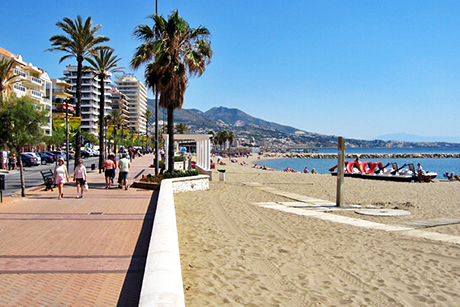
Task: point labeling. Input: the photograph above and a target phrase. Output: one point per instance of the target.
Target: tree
(173, 52)
(7, 78)
(181, 128)
(230, 138)
(103, 64)
(81, 40)
(222, 138)
(20, 123)
(57, 138)
(147, 116)
(117, 121)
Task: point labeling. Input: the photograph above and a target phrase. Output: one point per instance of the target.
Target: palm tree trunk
(21, 174)
(101, 124)
(78, 111)
(171, 138)
(157, 165)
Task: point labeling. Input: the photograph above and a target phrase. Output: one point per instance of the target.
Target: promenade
(76, 252)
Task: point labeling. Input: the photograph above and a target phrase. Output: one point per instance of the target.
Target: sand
(237, 253)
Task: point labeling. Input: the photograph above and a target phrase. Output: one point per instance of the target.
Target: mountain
(416, 138)
(238, 118)
(255, 131)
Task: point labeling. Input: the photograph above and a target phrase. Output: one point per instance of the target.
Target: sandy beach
(237, 252)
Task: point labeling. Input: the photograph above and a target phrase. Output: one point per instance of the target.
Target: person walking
(79, 176)
(60, 176)
(112, 157)
(109, 167)
(124, 164)
(12, 162)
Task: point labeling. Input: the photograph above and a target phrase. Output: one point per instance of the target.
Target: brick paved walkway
(76, 252)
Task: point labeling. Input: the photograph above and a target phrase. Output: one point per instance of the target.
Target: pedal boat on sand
(377, 171)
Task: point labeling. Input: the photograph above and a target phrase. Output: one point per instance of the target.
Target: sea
(322, 166)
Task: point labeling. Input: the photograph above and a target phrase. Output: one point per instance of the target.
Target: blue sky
(357, 69)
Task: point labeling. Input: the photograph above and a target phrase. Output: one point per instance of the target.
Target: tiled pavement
(76, 252)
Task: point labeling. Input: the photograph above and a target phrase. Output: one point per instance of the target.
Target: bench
(48, 179)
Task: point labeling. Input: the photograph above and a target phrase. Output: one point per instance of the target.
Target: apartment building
(33, 82)
(136, 91)
(90, 94)
(120, 102)
(61, 92)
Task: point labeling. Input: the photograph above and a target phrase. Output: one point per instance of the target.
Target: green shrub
(178, 158)
(169, 175)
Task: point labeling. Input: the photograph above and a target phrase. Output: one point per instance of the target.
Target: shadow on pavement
(131, 290)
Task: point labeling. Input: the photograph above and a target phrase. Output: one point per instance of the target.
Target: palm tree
(147, 116)
(117, 118)
(117, 121)
(79, 42)
(7, 78)
(103, 64)
(222, 137)
(173, 52)
(230, 138)
(181, 128)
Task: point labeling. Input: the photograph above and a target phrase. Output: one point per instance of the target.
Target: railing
(19, 73)
(35, 93)
(36, 80)
(19, 88)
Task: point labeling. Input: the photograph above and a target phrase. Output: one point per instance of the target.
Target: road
(33, 178)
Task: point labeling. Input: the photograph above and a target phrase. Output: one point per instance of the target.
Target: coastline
(234, 252)
(372, 155)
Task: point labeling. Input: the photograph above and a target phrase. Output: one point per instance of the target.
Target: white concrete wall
(185, 184)
(162, 284)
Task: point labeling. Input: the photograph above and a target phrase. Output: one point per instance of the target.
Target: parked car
(46, 158)
(36, 155)
(95, 153)
(28, 160)
(85, 153)
(57, 154)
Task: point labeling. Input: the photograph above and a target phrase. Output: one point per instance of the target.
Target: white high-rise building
(136, 91)
(33, 82)
(90, 93)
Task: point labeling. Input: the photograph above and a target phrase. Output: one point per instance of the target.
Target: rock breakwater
(371, 155)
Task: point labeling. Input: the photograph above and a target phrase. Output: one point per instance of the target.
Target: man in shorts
(124, 166)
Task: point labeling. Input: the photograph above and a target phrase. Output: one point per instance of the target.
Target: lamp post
(67, 129)
(66, 100)
(106, 119)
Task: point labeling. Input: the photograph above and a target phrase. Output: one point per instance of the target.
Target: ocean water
(322, 166)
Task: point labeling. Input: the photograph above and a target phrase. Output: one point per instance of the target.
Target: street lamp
(107, 118)
(66, 100)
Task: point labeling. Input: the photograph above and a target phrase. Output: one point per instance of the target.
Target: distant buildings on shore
(127, 94)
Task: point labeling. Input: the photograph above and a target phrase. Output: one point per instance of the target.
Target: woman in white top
(79, 176)
(60, 176)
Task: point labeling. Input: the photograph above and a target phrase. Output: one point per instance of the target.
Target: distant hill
(238, 118)
(417, 138)
(260, 131)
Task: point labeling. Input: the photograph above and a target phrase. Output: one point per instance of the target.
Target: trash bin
(93, 166)
(2, 186)
(221, 174)
(2, 182)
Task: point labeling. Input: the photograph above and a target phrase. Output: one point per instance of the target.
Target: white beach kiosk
(203, 150)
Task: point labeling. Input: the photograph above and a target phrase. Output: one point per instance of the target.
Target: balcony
(19, 73)
(35, 94)
(36, 80)
(19, 88)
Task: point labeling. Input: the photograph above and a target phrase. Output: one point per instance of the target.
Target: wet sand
(237, 253)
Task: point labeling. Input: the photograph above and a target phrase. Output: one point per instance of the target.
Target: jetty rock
(315, 155)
